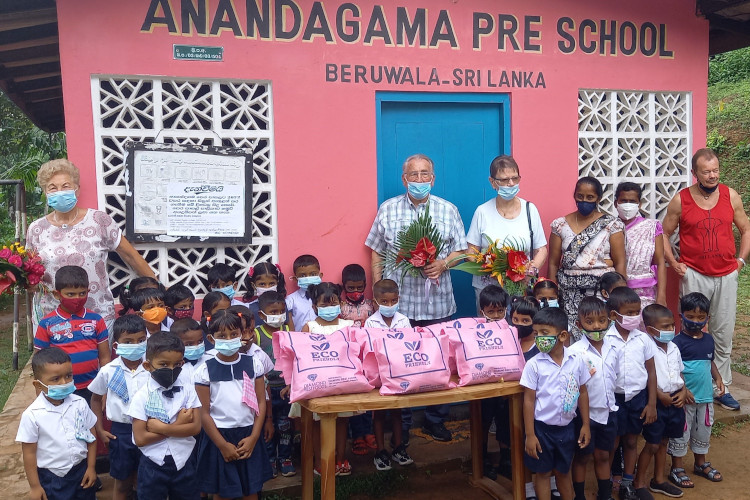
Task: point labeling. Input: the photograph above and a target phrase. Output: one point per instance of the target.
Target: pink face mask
(629, 323)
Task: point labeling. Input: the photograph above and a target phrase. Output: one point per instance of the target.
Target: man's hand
(648, 415)
(37, 493)
(533, 448)
(680, 268)
(740, 265)
(89, 478)
(435, 269)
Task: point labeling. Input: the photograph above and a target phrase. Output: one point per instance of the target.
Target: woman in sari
(584, 245)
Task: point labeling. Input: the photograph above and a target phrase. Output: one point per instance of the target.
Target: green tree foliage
(729, 67)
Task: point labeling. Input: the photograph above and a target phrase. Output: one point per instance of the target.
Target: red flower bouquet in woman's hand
(19, 268)
(500, 260)
(517, 263)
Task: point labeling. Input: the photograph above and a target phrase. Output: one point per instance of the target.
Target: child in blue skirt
(232, 393)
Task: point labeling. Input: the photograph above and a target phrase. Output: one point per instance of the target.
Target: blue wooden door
(461, 133)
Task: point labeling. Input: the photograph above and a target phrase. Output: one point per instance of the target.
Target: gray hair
(415, 157)
(54, 167)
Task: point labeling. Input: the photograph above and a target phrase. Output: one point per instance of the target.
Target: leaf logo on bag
(486, 341)
(484, 335)
(317, 338)
(321, 347)
(312, 377)
(397, 335)
(404, 385)
(323, 353)
(479, 366)
(413, 346)
(456, 324)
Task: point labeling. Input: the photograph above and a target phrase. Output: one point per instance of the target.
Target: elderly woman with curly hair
(71, 235)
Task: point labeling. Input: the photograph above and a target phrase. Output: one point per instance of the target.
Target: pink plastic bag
(414, 363)
(485, 352)
(365, 337)
(320, 365)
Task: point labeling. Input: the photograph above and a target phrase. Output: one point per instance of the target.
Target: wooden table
(328, 407)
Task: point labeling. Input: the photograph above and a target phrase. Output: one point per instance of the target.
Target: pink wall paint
(325, 132)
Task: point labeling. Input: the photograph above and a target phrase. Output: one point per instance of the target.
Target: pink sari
(640, 245)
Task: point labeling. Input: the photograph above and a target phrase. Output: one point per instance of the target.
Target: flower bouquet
(19, 268)
(504, 261)
(417, 246)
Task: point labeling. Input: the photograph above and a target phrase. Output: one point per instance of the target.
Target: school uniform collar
(670, 347)
(64, 315)
(567, 354)
(118, 362)
(612, 332)
(153, 385)
(42, 403)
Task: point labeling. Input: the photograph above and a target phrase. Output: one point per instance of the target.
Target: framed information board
(179, 193)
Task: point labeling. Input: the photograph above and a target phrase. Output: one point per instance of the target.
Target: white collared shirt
(603, 370)
(299, 307)
(632, 377)
(261, 360)
(179, 447)
(554, 384)
(117, 409)
(668, 368)
(189, 369)
(226, 406)
(53, 429)
(377, 321)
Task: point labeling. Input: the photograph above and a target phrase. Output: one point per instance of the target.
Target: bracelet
(742, 260)
(445, 263)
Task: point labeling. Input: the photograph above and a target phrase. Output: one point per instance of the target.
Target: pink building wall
(325, 132)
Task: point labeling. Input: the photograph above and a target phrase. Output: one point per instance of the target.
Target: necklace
(64, 225)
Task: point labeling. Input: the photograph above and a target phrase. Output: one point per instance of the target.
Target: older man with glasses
(394, 215)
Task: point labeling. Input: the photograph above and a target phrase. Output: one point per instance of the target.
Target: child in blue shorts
(553, 376)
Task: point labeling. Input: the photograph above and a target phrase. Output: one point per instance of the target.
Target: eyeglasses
(507, 181)
(419, 176)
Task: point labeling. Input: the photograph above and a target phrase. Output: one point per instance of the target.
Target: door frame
(384, 96)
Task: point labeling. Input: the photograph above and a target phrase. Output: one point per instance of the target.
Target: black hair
(608, 280)
(527, 306)
(136, 300)
(210, 300)
(177, 293)
(161, 342)
(620, 297)
(137, 284)
(262, 269)
(71, 277)
(693, 301)
(503, 162)
(183, 325)
(245, 314)
(654, 312)
(628, 186)
(544, 284)
(384, 286)
(305, 260)
(591, 305)
(269, 298)
(129, 323)
(224, 319)
(552, 316)
(47, 356)
(220, 272)
(353, 272)
(493, 295)
(325, 291)
(594, 183)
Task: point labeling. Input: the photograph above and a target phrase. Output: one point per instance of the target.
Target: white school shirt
(52, 428)
(377, 321)
(552, 383)
(254, 351)
(225, 380)
(189, 367)
(116, 408)
(300, 308)
(179, 447)
(668, 368)
(603, 370)
(633, 354)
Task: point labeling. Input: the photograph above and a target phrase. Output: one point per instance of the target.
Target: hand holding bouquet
(19, 268)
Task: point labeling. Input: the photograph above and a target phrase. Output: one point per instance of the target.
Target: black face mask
(708, 190)
(692, 326)
(165, 377)
(524, 330)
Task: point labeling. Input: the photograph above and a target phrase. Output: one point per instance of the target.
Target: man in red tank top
(704, 213)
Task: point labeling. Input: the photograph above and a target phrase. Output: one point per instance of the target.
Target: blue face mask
(388, 311)
(419, 190)
(585, 207)
(228, 290)
(306, 281)
(692, 326)
(508, 192)
(62, 201)
(131, 352)
(549, 303)
(194, 352)
(665, 336)
(329, 313)
(228, 347)
(60, 392)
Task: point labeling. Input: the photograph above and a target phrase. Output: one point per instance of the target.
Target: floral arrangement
(417, 246)
(19, 268)
(504, 261)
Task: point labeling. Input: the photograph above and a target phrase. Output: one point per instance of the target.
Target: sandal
(710, 475)
(679, 477)
(359, 447)
(371, 443)
(665, 489)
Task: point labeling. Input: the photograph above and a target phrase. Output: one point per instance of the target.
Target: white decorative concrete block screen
(186, 111)
(643, 137)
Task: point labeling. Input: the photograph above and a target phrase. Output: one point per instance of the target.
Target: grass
(8, 376)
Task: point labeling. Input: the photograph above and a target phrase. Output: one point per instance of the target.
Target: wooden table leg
(307, 454)
(517, 444)
(328, 456)
(475, 427)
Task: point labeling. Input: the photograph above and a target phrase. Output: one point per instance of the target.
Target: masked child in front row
(602, 363)
(56, 466)
(671, 395)
(119, 380)
(552, 377)
(165, 419)
(697, 350)
(635, 389)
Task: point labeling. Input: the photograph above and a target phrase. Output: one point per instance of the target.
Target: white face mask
(627, 211)
(276, 320)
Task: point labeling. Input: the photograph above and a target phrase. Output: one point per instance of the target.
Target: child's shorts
(558, 447)
(629, 413)
(68, 486)
(602, 435)
(700, 420)
(669, 423)
(124, 455)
